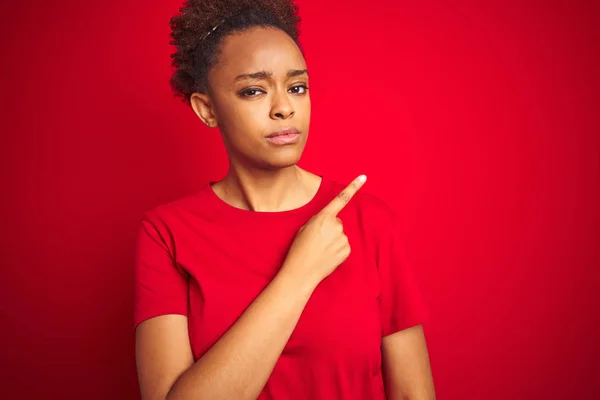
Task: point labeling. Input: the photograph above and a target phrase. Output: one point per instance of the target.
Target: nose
(281, 107)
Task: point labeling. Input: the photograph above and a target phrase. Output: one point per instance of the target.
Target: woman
(273, 283)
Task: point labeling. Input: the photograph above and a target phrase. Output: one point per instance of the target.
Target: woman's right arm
(239, 364)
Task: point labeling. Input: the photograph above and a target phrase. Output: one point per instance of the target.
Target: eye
(299, 89)
(251, 92)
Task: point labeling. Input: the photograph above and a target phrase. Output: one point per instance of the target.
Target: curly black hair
(196, 53)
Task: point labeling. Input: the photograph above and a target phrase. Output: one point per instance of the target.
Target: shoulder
(363, 200)
(371, 209)
(197, 203)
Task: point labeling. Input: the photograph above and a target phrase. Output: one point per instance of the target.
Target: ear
(203, 108)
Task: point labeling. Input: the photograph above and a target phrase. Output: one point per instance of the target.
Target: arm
(406, 368)
(237, 366)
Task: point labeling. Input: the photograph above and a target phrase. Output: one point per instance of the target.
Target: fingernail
(362, 178)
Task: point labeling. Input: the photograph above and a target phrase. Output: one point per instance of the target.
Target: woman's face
(258, 88)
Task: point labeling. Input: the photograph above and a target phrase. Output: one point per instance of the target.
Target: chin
(283, 159)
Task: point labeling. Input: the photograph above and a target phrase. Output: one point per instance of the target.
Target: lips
(284, 137)
(284, 132)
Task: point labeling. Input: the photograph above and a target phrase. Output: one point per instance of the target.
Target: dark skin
(260, 85)
(264, 177)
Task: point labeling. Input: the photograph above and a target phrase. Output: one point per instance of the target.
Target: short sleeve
(160, 286)
(401, 303)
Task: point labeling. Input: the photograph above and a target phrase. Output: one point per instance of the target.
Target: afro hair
(197, 30)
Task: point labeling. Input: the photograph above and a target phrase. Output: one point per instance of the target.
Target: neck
(266, 190)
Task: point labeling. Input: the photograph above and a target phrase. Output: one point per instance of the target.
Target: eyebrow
(268, 75)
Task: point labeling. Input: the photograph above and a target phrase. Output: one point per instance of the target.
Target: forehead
(258, 49)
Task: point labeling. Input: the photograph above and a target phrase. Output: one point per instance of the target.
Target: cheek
(307, 110)
(244, 127)
(247, 116)
(302, 107)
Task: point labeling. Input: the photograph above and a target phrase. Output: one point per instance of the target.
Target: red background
(479, 124)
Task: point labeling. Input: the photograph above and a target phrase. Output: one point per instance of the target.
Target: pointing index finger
(336, 205)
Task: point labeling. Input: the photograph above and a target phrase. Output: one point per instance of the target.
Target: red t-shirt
(203, 258)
